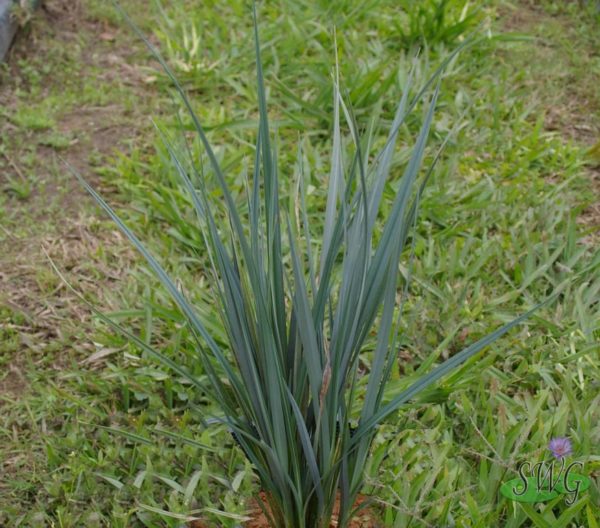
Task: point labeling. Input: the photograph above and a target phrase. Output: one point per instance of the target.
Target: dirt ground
(69, 50)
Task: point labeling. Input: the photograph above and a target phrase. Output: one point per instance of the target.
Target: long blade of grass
(442, 370)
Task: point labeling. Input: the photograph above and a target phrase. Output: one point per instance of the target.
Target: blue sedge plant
(297, 312)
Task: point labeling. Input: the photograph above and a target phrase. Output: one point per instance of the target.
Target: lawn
(95, 432)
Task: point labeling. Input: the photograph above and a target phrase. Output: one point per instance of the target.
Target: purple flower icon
(560, 447)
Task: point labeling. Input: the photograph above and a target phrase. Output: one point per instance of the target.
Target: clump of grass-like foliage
(297, 312)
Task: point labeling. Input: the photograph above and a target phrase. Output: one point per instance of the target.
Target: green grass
(500, 215)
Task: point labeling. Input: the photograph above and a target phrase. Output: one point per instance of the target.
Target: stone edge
(8, 25)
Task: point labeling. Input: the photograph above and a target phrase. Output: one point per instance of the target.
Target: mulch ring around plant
(365, 518)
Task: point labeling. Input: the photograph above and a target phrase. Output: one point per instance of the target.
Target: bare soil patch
(365, 518)
(57, 215)
(574, 111)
